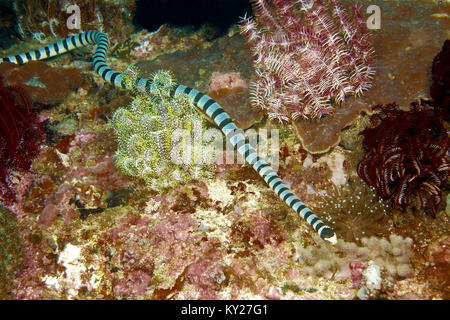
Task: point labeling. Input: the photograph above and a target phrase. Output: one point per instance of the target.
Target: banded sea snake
(202, 101)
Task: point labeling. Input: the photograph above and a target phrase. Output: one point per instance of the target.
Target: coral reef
(226, 81)
(313, 176)
(229, 237)
(149, 42)
(75, 178)
(229, 89)
(82, 188)
(165, 40)
(72, 280)
(11, 252)
(21, 134)
(406, 157)
(41, 20)
(201, 60)
(307, 55)
(156, 254)
(160, 138)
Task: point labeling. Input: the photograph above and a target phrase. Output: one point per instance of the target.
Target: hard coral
(405, 50)
(20, 135)
(319, 136)
(406, 157)
(307, 54)
(43, 84)
(392, 254)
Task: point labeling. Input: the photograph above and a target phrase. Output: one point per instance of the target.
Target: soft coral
(21, 134)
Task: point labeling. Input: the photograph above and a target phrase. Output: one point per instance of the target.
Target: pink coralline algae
(162, 253)
(308, 54)
(260, 231)
(207, 273)
(149, 42)
(356, 267)
(150, 254)
(81, 137)
(228, 81)
(82, 187)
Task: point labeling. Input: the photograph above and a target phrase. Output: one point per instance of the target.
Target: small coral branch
(407, 156)
(308, 55)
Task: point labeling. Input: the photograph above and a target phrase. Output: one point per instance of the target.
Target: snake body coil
(199, 99)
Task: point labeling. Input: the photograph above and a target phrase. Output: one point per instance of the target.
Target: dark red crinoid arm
(20, 135)
(406, 158)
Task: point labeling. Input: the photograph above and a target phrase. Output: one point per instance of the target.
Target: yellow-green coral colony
(152, 126)
(200, 100)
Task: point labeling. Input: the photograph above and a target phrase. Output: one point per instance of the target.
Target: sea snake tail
(200, 100)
